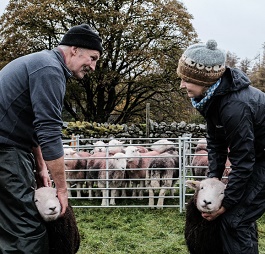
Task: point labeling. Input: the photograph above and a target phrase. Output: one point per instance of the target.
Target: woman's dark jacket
(235, 117)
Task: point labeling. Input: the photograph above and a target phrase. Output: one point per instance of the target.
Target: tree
(231, 59)
(245, 65)
(142, 42)
(257, 75)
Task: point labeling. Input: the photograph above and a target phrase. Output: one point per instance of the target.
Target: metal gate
(85, 191)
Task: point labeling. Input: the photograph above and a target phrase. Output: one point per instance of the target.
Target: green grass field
(137, 231)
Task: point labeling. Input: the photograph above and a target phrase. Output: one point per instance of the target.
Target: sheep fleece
(63, 234)
(202, 236)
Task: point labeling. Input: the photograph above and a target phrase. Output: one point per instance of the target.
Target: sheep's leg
(161, 198)
(162, 193)
(104, 194)
(173, 190)
(141, 191)
(151, 198)
(90, 191)
(123, 191)
(104, 197)
(113, 194)
(78, 191)
(134, 192)
(69, 191)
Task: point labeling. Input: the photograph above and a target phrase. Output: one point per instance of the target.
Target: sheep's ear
(193, 184)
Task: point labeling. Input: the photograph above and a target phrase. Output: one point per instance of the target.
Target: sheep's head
(47, 203)
(68, 151)
(119, 161)
(132, 152)
(116, 146)
(100, 146)
(209, 194)
(162, 145)
(201, 145)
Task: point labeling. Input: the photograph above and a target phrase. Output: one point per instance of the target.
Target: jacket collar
(60, 57)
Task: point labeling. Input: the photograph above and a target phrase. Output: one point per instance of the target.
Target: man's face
(83, 61)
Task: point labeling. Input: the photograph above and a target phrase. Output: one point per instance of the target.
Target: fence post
(147, 120)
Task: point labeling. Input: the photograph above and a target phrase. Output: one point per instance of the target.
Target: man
(32, 90)
(235, 116)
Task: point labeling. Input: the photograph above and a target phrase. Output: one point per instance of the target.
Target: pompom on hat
(202, 64)
(82, 36)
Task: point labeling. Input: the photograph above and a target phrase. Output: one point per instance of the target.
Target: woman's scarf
(208, 94)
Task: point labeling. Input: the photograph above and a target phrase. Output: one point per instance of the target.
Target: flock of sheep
(112, 166)
(109, 170)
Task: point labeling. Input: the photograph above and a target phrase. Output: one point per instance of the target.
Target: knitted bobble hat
(82, 36)
(202, 64)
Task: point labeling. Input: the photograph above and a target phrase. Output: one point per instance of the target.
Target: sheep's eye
(36, 200)
(201, 188)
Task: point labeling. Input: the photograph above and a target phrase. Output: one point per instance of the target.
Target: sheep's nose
(207, 202)
(53, 208)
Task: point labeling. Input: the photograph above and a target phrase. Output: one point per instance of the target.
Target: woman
(235, 116)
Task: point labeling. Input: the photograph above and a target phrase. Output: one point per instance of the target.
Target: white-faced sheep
(62, 232)
(108, 170)
(115, 146)
(202, 236)
(163, 145)
(99, 146)
(75, 164)
(137, 165)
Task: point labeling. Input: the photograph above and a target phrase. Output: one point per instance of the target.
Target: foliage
(137, 230)
(231, 59)
(257, 75)
(142, 42)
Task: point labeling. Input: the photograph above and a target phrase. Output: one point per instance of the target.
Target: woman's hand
(214, 215)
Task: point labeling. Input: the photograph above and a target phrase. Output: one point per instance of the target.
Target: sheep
(200, 159)
(111, 170)
(200, 162)
(63, 233)
(137, 165)
(99, 146)
(163, 145)
(115, 146)
(75, 163)
(202, 236)
(160, 175)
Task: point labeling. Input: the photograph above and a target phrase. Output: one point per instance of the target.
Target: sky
(237, 26)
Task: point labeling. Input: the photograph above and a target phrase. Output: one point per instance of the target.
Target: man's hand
(63, 199)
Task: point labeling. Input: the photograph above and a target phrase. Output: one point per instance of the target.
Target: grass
(136, 230)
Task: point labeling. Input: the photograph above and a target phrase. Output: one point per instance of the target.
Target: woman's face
(193, 90)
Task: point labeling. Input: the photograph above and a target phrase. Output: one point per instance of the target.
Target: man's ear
(74, 50)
